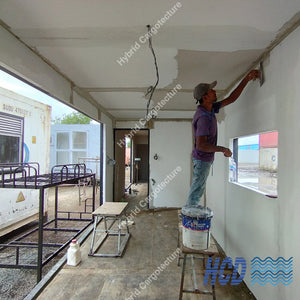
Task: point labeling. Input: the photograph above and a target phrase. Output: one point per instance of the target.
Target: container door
(170, 163)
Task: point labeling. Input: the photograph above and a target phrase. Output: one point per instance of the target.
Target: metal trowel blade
(262, 76)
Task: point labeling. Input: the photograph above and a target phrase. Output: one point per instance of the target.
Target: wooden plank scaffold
(193, 254)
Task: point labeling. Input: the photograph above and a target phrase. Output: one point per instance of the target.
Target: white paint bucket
(196, 221)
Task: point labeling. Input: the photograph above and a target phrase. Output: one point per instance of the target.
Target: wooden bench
(110, 211)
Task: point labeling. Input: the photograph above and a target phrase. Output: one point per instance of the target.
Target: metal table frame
(19, 175)
(110, 211)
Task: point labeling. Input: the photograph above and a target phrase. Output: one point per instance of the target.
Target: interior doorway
(131, 153)
(128, 161)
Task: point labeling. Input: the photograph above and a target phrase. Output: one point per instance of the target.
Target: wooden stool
(211, 251)
(113, 211)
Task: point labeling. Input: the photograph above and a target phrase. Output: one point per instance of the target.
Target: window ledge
(254, 189)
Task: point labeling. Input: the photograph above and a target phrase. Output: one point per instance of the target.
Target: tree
(73, 118)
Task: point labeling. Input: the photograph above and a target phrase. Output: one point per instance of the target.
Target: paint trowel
(262, 75)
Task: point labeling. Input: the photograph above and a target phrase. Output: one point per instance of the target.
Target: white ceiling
(203, 41)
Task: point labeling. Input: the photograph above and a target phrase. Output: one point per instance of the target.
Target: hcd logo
(263, 271)
(223, 280)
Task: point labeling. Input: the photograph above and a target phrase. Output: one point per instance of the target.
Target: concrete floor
(153, 241)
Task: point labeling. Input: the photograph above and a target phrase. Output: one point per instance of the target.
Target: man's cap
(202, 88)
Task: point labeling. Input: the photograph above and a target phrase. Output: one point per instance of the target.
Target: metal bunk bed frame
(26, 176)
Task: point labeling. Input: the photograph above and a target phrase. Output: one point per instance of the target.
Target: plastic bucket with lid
(196, 221)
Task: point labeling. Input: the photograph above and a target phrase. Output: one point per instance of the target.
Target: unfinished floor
(153, 240)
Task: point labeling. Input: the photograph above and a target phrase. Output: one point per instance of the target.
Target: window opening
(254, 163)
(11, 138)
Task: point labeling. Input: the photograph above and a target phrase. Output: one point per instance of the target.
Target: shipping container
(24, 137)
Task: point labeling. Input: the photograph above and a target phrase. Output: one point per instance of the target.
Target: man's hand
(254, 74)
(227, 152)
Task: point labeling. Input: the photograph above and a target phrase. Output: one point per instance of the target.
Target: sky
(249, 140)
(17, 86)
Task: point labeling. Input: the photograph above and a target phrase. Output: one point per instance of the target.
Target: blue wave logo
(272, 271)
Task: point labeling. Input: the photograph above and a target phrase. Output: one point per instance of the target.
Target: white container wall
(246, 223)
(20, 206)
(76, 143)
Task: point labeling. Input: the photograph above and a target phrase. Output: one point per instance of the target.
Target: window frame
(233, 169)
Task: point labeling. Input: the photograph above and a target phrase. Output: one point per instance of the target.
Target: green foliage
(128, 143)
(73, 118)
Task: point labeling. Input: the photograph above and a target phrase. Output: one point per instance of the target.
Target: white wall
(247, 223)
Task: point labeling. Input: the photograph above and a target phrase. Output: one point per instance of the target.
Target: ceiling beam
(157, 119)
(134, 89)
(144, 109)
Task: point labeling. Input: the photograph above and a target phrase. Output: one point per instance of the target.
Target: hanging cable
(151, 89)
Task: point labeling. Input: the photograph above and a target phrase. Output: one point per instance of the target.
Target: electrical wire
(151, 89)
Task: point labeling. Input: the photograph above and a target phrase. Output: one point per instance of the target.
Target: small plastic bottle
(73, 254)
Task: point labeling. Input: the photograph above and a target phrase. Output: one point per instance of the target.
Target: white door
(170, 163)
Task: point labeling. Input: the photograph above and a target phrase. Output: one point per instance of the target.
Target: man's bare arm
(254, 74)
(203, 145)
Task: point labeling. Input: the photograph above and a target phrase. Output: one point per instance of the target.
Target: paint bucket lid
(197, 211)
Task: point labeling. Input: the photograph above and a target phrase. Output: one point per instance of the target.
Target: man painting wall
(206, 132)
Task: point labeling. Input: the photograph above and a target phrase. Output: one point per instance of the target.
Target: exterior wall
(247, 223)
(268, 140)
(93, 142)
(249, 156)
(268, 159)
(268, 151)
(20, 206)
(127, 156)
